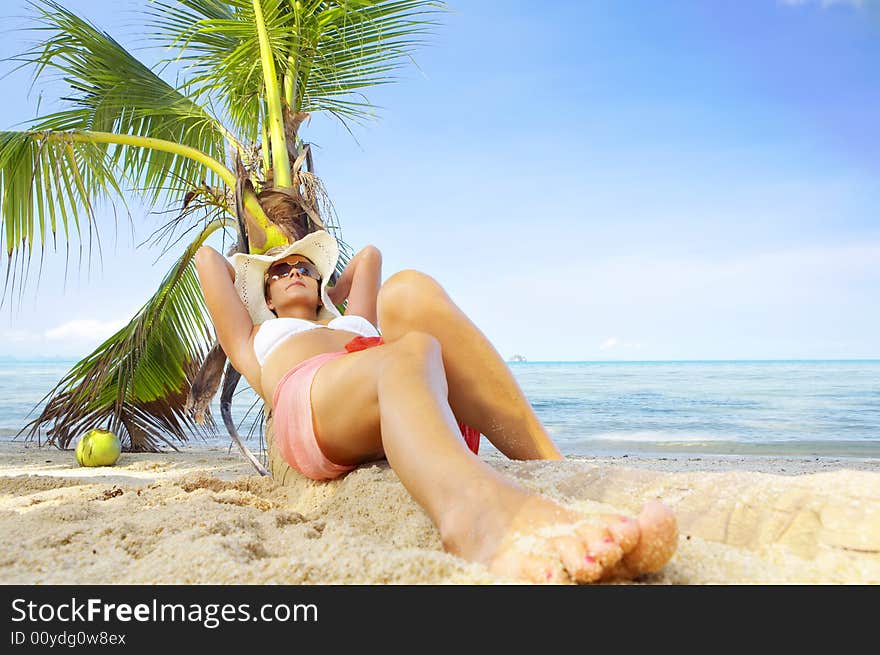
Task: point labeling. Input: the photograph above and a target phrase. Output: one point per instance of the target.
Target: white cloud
(795, 301)
(614, 342)
(72, 338)
(84, 329)
(858, 4)
(18, 336)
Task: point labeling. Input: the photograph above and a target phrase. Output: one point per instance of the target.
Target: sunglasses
(284, 269)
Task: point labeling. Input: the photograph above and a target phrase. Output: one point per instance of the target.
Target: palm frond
(49, 183)
(220, 51)
(213, 203)
(110, 90)
(328, 50)
(361, 45)
(136, 383)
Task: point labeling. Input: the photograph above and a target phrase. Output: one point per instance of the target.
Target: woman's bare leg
(482, 391)
(396, 401)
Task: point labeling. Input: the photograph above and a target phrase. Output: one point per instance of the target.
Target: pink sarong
(293, 426)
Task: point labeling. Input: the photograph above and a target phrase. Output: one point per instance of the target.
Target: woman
(341, 396)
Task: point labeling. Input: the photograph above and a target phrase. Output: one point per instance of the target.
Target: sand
(202, 516)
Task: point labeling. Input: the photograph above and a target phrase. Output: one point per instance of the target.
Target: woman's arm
(360, 282)
(231, 320)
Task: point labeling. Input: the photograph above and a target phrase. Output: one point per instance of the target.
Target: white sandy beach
(202, 516)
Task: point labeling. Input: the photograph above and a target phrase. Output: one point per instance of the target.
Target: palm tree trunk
(280, 160)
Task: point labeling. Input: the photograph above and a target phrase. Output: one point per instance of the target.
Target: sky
(588, 180)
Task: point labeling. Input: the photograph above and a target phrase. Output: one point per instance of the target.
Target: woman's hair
(284, 211)
(277, 250)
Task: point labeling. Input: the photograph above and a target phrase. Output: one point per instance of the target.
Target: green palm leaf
(112, 91)
(49, 183)
(136, 382)
(220, 51)
(360, 48)
(45, 176)
(327, 50)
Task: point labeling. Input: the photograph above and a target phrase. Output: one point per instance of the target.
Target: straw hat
(250, 273)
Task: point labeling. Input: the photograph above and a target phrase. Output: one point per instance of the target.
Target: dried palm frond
(205, 384)
(136, 383)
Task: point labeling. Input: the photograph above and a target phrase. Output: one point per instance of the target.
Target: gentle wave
(809, 407)
(655, 437)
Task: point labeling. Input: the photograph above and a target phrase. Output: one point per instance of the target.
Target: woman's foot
(528, 537)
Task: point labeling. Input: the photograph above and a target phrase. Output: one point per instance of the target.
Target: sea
(821, 408)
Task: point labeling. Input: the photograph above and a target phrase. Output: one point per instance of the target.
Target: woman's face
(295, 283)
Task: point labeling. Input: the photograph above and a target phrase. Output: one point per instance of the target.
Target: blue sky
(588, 180)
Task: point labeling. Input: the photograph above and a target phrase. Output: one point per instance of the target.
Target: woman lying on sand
(341, 396)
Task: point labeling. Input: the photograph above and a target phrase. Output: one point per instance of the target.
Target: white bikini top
(274, 331)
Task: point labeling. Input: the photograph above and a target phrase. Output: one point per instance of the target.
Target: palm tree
(223, 145)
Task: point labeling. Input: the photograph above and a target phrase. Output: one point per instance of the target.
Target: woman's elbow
(208, 262)
(211, 266)
(371, 252)
(204, 255)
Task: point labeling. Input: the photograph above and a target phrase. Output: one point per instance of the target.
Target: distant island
(518, 358)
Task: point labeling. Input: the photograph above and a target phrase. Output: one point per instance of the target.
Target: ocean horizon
(58, 358)
(792, 407)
